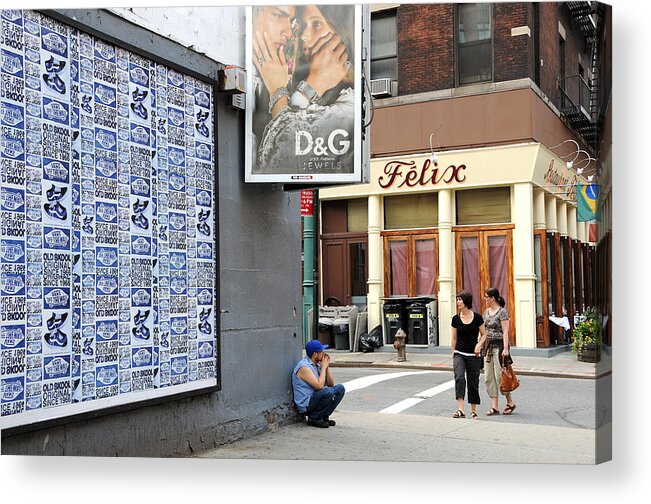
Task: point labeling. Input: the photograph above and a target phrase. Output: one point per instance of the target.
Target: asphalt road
(405, 415)
(556, 402)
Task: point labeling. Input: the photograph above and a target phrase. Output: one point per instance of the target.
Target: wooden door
(541, 291)
(345, 271)
(484, 260)
(333, 278)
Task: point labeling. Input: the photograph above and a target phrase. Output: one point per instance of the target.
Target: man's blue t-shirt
(302, 390)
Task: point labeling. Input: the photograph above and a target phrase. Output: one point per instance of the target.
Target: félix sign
(409, 174)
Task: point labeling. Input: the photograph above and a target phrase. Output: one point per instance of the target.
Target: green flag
(587, 199)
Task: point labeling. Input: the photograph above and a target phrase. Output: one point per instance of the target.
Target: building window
(411, 263)
(474, 43)
(357, 215)
(483, 206)
(413, 211)
(384, 46)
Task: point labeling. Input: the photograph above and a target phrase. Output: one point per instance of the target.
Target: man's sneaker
(331, 423)
(318, 423)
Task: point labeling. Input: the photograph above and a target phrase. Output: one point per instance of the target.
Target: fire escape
(580, 99)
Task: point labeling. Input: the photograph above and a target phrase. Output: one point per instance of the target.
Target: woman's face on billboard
(315, 26)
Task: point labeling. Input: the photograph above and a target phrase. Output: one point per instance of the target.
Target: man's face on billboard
(276, 21)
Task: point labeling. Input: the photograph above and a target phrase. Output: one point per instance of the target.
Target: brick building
(486, 120)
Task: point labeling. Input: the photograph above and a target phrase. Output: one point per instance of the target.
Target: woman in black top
(468, 335)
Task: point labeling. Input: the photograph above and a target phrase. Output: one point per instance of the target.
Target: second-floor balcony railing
(574, 95)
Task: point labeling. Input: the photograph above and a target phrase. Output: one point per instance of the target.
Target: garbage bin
(393, 320)
(325, 330)
(340, 330)
(417, 323)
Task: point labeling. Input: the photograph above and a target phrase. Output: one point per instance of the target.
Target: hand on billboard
(329, 64)
(270, 62)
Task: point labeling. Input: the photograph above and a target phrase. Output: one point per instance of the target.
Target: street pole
(315, 306)
(307, 214)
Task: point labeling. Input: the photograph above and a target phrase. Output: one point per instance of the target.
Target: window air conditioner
(381, 88)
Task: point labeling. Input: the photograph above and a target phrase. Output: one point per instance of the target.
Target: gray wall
(260, 341)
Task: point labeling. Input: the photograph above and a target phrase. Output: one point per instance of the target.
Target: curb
(522, 372)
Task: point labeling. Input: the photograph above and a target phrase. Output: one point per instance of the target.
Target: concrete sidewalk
(562, 365)
(412, 438)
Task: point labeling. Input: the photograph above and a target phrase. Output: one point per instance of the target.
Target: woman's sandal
(509, 409)
(492, 412)
(459, 414)
(473, 415)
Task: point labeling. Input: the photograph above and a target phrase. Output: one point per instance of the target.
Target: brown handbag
(508, 381)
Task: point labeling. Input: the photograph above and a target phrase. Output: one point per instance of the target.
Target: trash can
(393, 320)
(341, 332)
(417, 323)
(325, 330)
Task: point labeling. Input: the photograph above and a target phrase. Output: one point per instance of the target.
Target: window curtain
(498, 267)
(399, 279)
(425, 267)
(470, 262)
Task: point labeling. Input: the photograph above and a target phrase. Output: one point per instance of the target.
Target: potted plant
(587, 338)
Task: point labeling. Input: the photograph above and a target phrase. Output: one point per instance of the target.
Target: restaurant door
(345, 271)
(484, 259)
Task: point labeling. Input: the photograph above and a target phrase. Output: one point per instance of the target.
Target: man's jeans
(324, 402)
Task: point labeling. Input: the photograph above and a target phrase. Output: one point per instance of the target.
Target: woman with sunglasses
(496, 319)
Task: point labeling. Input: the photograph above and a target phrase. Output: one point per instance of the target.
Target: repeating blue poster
(107, 239)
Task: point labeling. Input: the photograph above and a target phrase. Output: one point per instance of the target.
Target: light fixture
(564, 142)
(584, 164)
(572, 162)
(433, 157)
(587, 160)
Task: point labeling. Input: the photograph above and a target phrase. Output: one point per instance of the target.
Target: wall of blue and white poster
(107, 239)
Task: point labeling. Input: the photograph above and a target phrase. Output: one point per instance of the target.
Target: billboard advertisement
(107, 235)
(304, 92)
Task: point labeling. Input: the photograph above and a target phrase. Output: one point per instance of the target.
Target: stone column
(539, 209)
(446, 294)
(561, 212)
(572, 228)
(523, 265)
(550, 214)
(375, 258)
(581, 234)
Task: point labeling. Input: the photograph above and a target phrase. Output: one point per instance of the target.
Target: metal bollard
(400, 345)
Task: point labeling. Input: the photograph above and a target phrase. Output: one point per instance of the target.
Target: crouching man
(315, 392)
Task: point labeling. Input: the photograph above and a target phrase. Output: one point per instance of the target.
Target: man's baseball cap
(314, 346)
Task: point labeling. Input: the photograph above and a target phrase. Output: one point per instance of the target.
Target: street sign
(307, 203)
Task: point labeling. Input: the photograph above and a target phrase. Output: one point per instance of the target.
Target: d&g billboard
(303, 94)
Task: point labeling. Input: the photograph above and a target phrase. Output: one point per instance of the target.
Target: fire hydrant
(400, 345)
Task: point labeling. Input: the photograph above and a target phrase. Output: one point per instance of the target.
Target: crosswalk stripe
(425, 394)
(402, 405)
(367, 381)
(418, 398)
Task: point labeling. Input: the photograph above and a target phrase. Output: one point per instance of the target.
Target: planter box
(591, 353)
